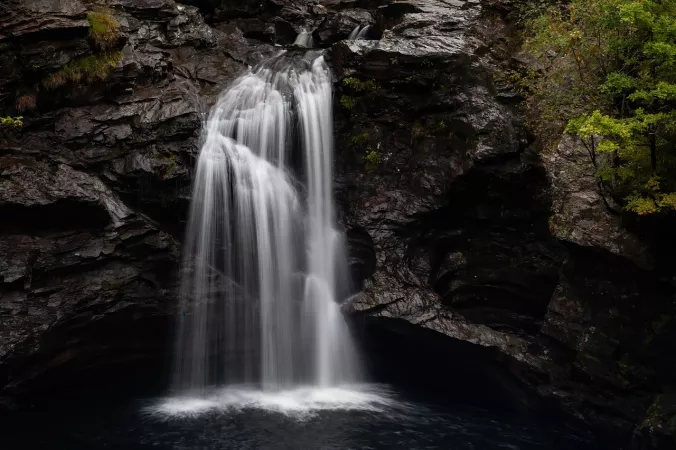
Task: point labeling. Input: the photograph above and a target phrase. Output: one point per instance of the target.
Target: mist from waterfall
(264, 265)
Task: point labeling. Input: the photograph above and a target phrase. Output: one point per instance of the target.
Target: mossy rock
(103, 28)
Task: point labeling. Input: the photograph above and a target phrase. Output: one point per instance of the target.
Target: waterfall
(363, 32)
(304, 39)
(264, 265)
(359, 32)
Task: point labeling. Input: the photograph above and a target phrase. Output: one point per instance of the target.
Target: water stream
(263, 258)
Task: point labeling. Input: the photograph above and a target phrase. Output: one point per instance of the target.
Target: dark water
(374, 417)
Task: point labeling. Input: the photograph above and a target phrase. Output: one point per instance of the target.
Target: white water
(263, 261)
(304, 39)
(359, 32)
(299, 402)
(363, 32)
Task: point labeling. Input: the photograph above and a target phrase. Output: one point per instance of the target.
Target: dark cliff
(456, 224)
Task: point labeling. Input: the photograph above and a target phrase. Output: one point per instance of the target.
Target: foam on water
(299, 402)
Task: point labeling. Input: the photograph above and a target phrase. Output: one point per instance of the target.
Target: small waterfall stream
(359, 32)
(263, 260)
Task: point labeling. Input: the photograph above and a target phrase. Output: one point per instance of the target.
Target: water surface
(346, 417)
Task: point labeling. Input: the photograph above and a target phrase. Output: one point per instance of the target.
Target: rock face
(455, 223)
(480, 239)
(582, 215)
(94, 187)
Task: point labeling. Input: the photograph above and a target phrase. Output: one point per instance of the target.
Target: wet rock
(25, 17)
(75, 257)
(338, 25)
(657, 431)
(582, 214)
(435, 166)
(80, 179)
(362, 257)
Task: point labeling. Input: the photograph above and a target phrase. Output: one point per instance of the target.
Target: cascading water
(263, 261)
(363, 33)
(359, 32)
(304, 39)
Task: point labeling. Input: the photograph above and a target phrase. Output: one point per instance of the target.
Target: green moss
(360, 140)
(166, 170)
(373, 160)
(84, 70)
(13, 122)
(348, 102)
(360, 86)
(103, 28)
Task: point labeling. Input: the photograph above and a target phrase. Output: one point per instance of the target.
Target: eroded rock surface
(94, 187)
(468, 223)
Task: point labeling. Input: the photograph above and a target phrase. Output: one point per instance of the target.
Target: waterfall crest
(263, 263)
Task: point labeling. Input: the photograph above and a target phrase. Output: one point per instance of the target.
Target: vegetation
(26, 102)
(348, 102)
(85, 69)
(13, 122)
(103, 29)
(360, 86)
(373, 159)
(104, 32)
(607, 74)
(360, 140)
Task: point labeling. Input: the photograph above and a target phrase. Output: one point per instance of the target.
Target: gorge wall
(456, 223)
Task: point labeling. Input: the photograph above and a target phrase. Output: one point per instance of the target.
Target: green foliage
(85, 69)
(348, 102)
(373, 159)
(607, 74)
(103, 28)
(360, 86)
(360, 140)
(13, 122)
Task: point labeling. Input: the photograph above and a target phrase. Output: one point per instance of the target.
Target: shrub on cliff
(85, 69)
(103, 29)
(607, 73)
(13, 122)
(26, 102)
